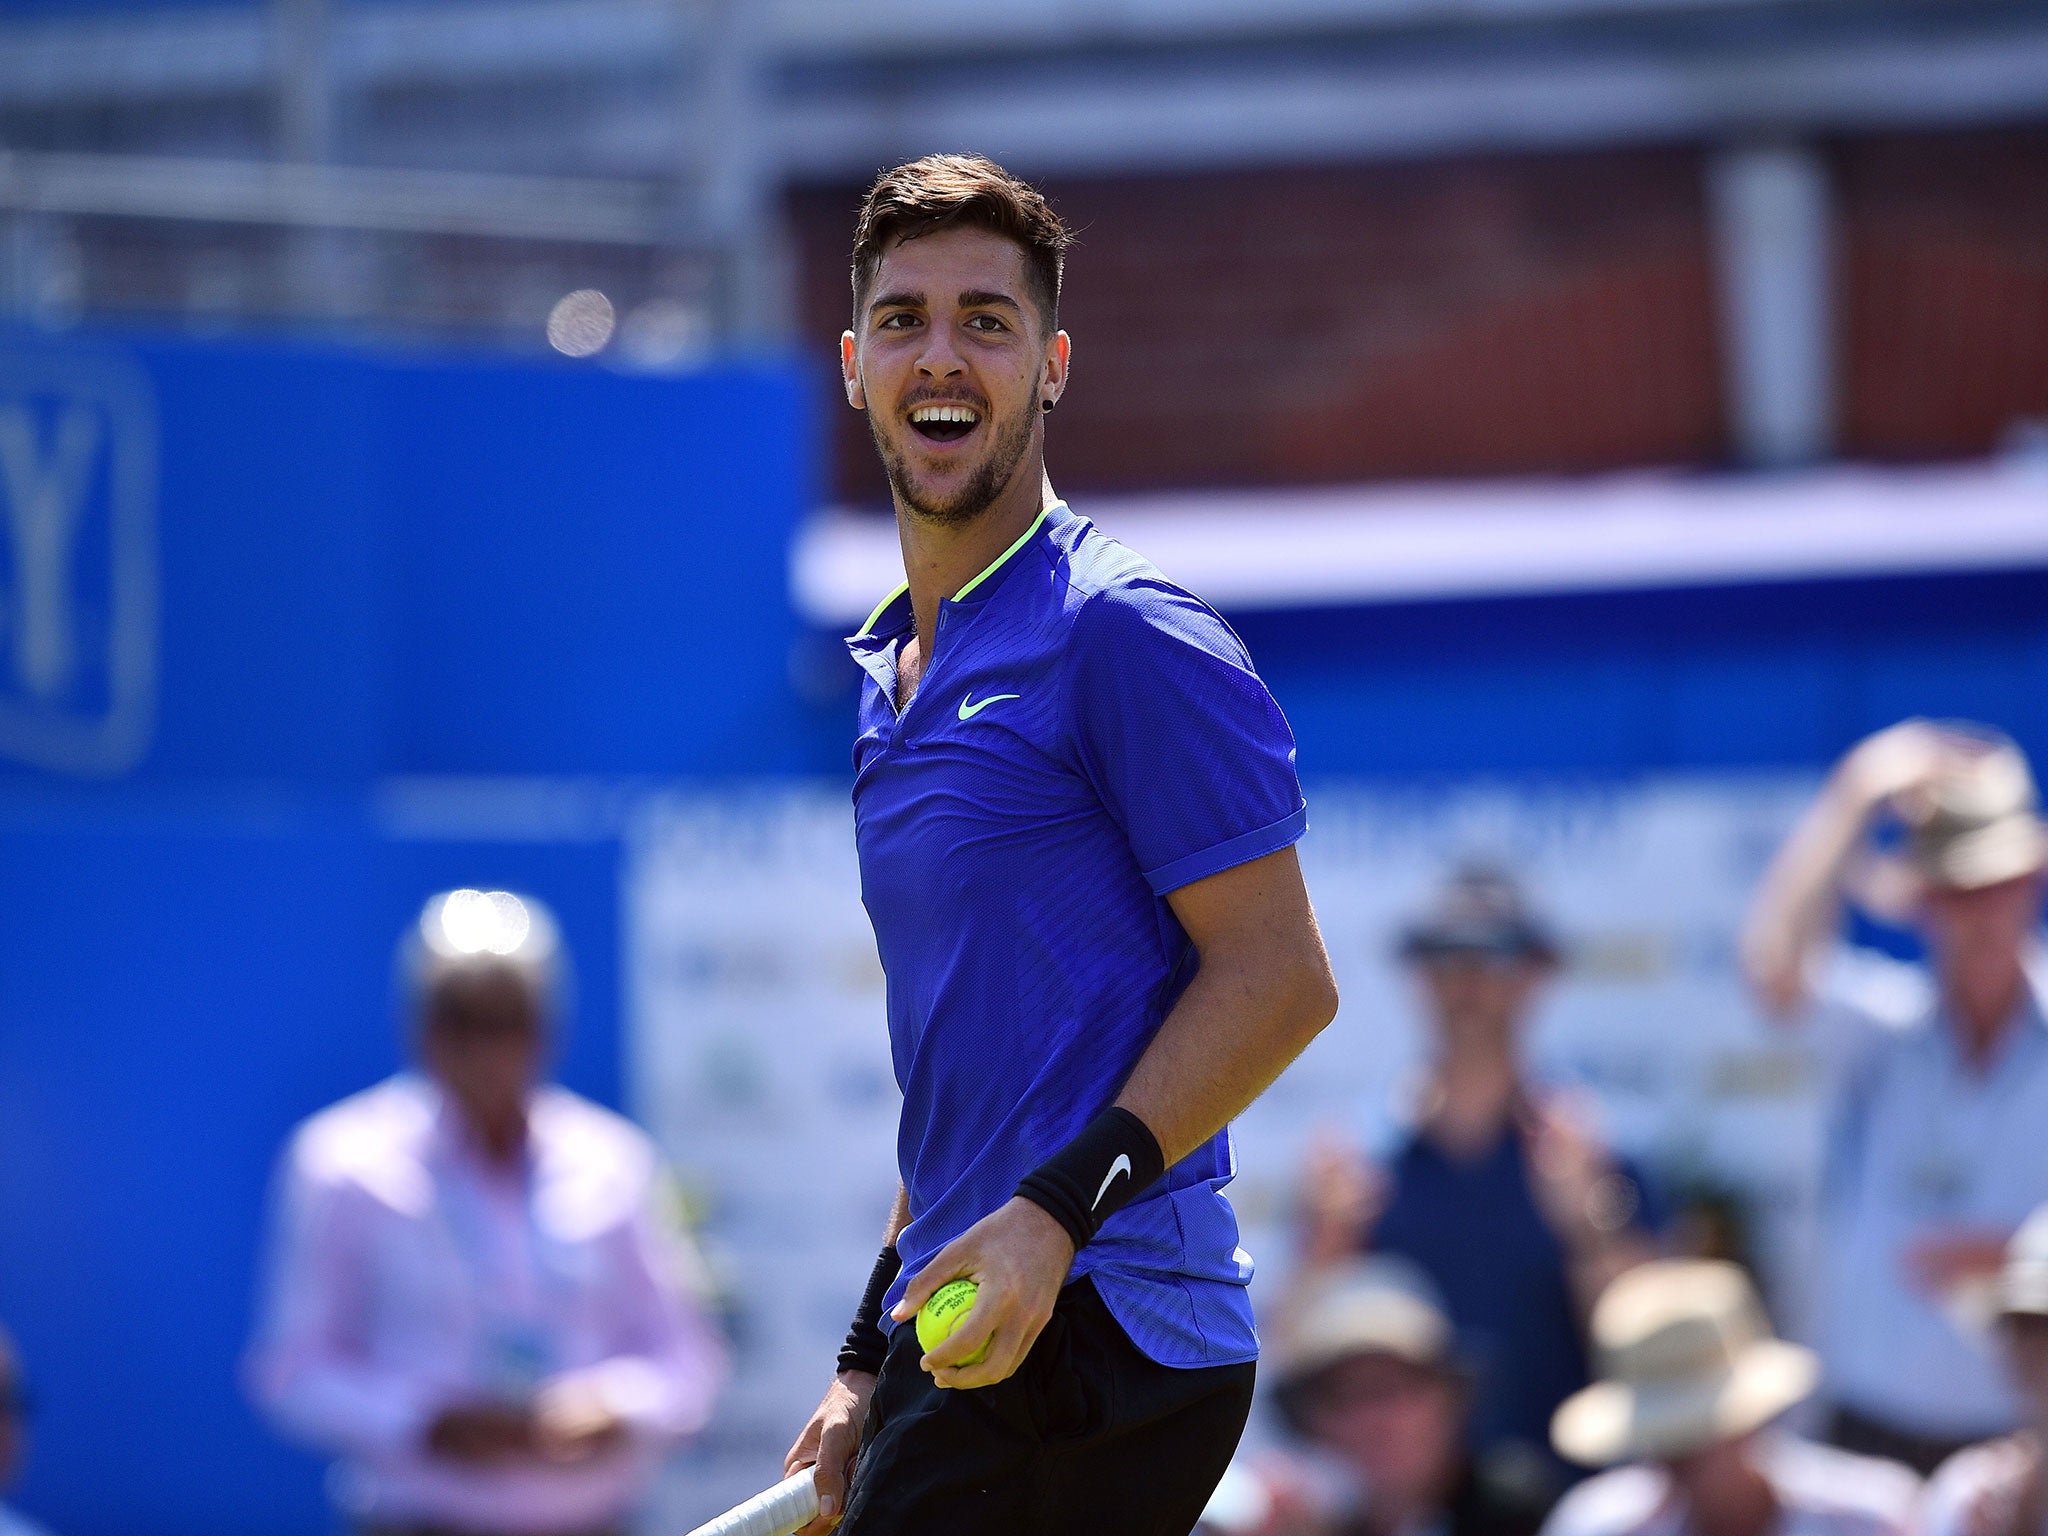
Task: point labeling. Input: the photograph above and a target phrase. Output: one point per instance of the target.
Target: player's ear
(849, 372)
(1059, 353)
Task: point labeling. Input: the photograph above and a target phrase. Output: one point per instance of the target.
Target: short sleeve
(1179, 736)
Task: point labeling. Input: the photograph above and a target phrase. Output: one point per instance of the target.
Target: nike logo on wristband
(1121, 1165)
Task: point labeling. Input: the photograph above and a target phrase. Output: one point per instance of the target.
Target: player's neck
(941, 558)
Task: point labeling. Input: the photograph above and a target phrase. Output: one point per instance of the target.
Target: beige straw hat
(1686, 1360)
(1977, 821)
(1377, 1305)
(2023, 1282)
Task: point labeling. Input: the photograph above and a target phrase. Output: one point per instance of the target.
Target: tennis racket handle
(789, 1505)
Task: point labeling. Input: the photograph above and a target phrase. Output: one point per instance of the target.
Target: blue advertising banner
(319, 567)
(248, 595)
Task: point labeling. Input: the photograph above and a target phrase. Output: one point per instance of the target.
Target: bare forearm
(1234, 1031)
(1798, 904)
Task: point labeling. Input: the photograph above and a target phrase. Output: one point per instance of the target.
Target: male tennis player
(1076, 807)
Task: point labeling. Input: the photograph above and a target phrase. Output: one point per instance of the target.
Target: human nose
(939, 359)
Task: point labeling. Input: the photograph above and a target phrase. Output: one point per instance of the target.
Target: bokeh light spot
(581, 323)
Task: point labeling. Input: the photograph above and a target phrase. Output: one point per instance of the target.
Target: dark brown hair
(951, 191)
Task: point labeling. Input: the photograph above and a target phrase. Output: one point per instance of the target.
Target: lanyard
(519, 1343)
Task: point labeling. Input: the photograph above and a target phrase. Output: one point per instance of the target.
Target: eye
(987, 323)
(901, 320)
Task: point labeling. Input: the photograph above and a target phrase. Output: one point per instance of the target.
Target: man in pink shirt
(472, 1302)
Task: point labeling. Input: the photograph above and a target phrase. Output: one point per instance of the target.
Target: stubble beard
(979, 491)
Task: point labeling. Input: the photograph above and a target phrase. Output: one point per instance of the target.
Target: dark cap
(1480, 911)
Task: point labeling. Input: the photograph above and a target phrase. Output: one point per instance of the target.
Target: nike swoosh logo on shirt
(1121, 1165)
(969, 711)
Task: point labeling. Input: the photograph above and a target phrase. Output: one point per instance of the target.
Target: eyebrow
(973, 298)
(983, 298)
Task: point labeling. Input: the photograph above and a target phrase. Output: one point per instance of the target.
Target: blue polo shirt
(1086, 739)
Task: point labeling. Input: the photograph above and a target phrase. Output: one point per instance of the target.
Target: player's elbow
(1311, 997)
(1280, 982)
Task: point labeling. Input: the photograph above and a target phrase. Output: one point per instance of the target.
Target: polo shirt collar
(892, 614)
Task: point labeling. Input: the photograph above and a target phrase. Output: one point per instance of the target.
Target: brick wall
(1944, 259)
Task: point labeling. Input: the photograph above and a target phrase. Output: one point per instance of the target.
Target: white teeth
(960, 413)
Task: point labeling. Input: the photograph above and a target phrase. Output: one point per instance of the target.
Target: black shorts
(1088, 1436)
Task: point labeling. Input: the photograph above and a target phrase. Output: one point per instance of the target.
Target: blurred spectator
(13, 1434)
(2001, 1488)
(1368, 1381)
(1498, 1190)
(474, 1303)
(1690, 1377)
(1936, 1148)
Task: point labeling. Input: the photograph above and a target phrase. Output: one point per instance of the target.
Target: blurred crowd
(480, 1305)
(1497, 1304)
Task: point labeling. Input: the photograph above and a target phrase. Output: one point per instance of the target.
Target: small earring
(1046, 406)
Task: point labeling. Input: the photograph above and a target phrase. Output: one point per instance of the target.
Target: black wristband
(1115, 1159)
(866, 1344)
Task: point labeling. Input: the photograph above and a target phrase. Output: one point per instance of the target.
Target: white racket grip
(788, 1506)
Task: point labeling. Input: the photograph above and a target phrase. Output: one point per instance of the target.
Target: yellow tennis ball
(941, 1314)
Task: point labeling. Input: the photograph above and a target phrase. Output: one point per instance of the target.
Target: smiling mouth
(944, 423)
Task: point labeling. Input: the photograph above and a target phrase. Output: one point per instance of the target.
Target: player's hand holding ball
(937, 1318)
(1017, 1259)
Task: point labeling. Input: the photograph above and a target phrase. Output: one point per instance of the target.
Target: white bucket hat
(1686, 1360)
